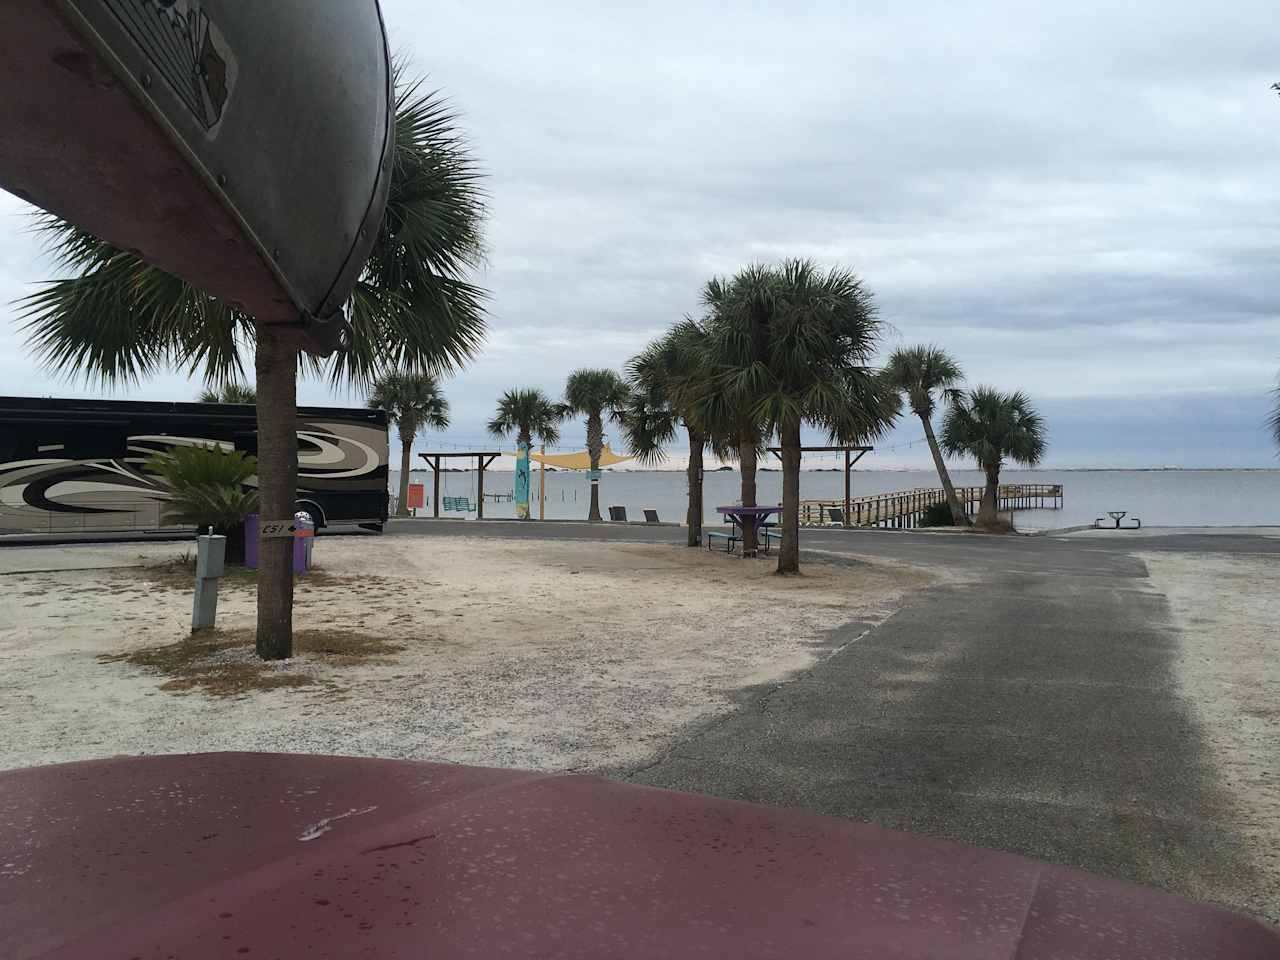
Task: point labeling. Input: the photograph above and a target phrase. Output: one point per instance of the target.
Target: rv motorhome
(79, 466)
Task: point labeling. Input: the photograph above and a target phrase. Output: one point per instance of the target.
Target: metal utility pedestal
(211, 556)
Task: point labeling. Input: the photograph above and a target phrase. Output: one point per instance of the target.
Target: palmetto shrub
(207, 488)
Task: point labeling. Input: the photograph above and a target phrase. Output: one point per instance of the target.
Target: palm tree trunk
(958, 515)
(747, 466)
(789, 551)
(277, 368)
(693, 519)
(595, 440)
(988, 515)
(406, 453)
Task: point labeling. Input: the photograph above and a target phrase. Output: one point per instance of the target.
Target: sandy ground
(1228, 609)
(545, 655)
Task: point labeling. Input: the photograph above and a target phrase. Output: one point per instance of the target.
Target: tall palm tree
(230, 392)
(595, 394)
(414, 401)
(527, 414)
(665, 379)
(795, 344)
(120, 319)
(737, 319)
(993, 427)
(924, 373)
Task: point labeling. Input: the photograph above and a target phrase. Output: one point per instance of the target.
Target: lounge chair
(650, 516)
(618, 514)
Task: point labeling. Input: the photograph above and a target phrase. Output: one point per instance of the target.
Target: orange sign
(416, 495)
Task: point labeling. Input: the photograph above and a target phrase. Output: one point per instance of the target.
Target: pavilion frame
(433, 461)
(849, 461)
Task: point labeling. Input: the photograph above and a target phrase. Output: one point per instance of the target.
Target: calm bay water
(1174, 498)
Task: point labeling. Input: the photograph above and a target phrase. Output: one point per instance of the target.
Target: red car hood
(266, 855)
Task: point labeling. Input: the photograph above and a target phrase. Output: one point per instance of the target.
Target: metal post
(480, 488)
(542, 485)
(435, 496)
(848, 466)
(211, 555)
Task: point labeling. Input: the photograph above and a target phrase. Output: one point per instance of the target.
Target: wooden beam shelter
(849, 461)
(433, 461)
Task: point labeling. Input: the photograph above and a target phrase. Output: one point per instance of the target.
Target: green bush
(936, 515)
(207, 489)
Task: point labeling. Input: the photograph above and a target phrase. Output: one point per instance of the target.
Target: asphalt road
(1032, 709)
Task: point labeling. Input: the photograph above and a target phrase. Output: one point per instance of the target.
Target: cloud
(1078, 200)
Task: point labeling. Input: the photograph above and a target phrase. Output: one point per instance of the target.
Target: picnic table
(742, 517)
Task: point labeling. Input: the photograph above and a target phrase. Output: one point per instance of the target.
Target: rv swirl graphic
(185, 48)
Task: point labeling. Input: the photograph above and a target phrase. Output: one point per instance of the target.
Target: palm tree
(924, 373)
(229, 393)
(208, 487)
(993, 427)
(1274, 421)
(794, 345)
(665, 379)
(595, 394)
(119, 319)
(736, 326)
(414, 401)
(527, 414)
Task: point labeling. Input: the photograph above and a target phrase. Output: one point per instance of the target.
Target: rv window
(90, 443)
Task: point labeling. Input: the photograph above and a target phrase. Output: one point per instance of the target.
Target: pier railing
(904, 508)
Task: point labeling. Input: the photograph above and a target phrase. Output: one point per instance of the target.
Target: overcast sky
(1079, 199)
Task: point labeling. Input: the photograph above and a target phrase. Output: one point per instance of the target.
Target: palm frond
(413, 400)
(206, 485)
(992, 427)
(1273, 422)
(229, 393)
(793, 343)
(596, 392)
(528, 414)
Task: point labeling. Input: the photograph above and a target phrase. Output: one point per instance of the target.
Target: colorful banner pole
(522, 482)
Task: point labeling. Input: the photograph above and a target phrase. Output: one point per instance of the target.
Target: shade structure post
(435, 497)
(542, 485)
(848, 467)
(480, 487)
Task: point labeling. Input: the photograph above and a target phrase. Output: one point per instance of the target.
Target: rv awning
(578, 461)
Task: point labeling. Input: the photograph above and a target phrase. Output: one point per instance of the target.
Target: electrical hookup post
(522, 482)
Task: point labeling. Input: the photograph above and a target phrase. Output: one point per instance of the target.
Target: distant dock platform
(904, 508)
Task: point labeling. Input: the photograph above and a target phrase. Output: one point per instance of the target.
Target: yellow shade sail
(578, 461)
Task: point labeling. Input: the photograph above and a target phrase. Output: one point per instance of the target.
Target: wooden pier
(904, 508)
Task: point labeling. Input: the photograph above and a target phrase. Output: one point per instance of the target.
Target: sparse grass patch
(342, 648)
(222, 663)
(179, 574)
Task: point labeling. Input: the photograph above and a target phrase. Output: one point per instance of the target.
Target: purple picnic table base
(268, 855)
(758, 515)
